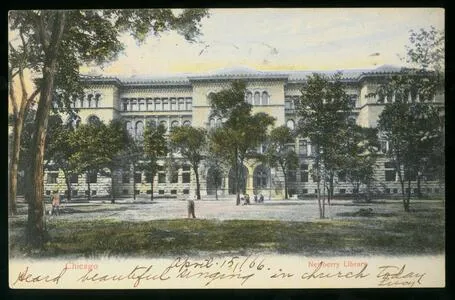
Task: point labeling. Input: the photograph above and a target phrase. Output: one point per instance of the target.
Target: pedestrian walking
(261, 198)
(191, 209)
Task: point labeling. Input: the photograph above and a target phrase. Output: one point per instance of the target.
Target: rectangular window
(173, 192)
(186, 191)
(342, 176)
(148, 177)
(436, 190)
(133, 105)
(303, 148)
(137, 177)
(395, 191)
(125, 192)
(188, 105)
(292, 177)
(342, 191)
(137, 192)
(87, 192)
(161, 192)
(181, 105)
(389, 165)
(141, 105)
(74, 178)
(416, 191)
(74, 193)
(149, 192)
(93, 177)
(173, 105)
(304, 191)
(304, 176)
(150, 105)
(126, 177)
(287, 104)
(389, 175)
(315, 191)
(387, 191)
(157, 105)
(161, 178)
(52, 178)
(165, 105)
(125, 106)
(186, 178)
(175, 178)
(93, 193)
(48, 193)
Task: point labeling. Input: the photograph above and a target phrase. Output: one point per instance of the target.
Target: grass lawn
(396, 233)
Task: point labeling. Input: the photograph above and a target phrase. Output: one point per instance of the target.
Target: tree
(241, 131)
(155, 147)
(323, 110)
(191, 143)
(412, 131)
(279, 153)
(359, 153)
(63, 40)
(59, 149)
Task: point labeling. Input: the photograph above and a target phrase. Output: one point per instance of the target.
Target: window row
(157, 104)
(161, 177)
(89, 101)
(257, 98)
(137, 128)
(404, 96)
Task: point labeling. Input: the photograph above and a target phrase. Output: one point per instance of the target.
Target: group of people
(245, 198)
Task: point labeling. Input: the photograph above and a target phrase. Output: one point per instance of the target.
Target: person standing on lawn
(55, 204)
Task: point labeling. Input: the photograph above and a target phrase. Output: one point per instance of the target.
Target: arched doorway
(214, 180)
(243, 180)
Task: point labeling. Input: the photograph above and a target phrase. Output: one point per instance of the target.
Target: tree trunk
(88, 185)
(408, 196)
(35, 224)
(324, 184)
(134, 182)
(286, 196)
(68, 185)
(419, 190)
(14, 162)
(236, 170)
(198, 186)
(151, 186)
(330, 191)
(112, 186)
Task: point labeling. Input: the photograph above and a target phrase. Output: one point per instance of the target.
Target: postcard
(226, 148)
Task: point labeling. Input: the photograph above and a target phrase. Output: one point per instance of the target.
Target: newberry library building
(184, 100)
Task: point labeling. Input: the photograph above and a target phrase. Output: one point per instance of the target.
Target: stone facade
(183, 100)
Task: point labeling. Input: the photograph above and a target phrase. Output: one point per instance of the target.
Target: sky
(279, 39)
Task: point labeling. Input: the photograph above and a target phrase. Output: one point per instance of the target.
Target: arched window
(93, 120)
(218, 122)
(73, 121)
(139, 129)
(129, 128)
(249, 98)
(82, 102)
(174, 124)
(133, 104)
(89, 100)
(212, 122)
(290, 124)
(257, 98)
(151, 123)
(157, 104)
(187, 123)
(97, 100)
(261, 176)
(265, 98)
(164, 124)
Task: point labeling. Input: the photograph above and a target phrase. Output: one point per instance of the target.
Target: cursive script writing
(396, 276)
(317, 274)
(27, 277)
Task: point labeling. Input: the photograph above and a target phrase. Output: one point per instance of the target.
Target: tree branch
(42, 32)
(12, 93)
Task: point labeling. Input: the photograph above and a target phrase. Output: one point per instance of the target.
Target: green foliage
(279, 153)
(426, 49)
(190, 142)
(241, 131)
